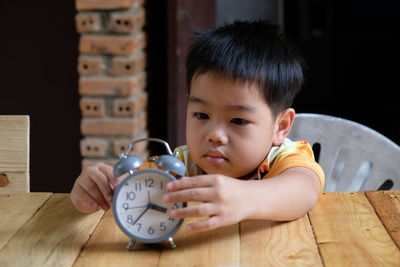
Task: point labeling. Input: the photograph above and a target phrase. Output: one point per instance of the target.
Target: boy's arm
(286, 196)
(226, 200)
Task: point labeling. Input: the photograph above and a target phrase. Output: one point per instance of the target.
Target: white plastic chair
(353, 156)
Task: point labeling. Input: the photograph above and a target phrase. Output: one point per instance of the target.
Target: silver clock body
(139, 210)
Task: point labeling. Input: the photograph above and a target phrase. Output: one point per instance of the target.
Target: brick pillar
(112, 77)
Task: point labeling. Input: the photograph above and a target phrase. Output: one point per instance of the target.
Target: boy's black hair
(253, 52)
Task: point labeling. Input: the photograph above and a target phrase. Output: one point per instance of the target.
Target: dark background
(353, 60)
(349, 46)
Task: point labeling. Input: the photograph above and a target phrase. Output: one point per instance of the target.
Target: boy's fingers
(209, 224)
(82, 200)
(190, 182)
(107, 170)
(195, 194)
(102, 183)
(202, 210)
(93, 191)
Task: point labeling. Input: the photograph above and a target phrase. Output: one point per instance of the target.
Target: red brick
(123, 22)
(88, 22)
(142, 121)
(90, 65)
(95, 86)
(128, 65)
(93, 147)
(112, 45)
(129, 106)
(103, 4)
(110, 126)
(92, 107)
(121, 145)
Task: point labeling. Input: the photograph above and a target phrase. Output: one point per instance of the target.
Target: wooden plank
(16, 209)
(387, 206)
(107, 247)
(219, 247)
(268, 243)
(15, 182)
(14, 143)
(349, 233)
(53, 237)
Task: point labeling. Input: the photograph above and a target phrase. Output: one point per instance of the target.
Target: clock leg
(131, 244)
(171, 242)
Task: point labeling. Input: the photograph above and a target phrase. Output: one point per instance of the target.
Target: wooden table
(344, 229)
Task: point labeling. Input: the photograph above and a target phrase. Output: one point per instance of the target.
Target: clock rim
(117, 220)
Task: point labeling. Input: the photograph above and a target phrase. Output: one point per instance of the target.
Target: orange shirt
(288, 154)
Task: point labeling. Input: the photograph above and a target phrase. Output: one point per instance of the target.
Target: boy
(242, 79)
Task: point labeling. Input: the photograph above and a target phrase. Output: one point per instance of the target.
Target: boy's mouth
(215, 157)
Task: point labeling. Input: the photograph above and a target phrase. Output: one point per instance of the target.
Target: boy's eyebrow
(193, 99)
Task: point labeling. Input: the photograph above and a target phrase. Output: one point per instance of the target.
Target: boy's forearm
(287, 196)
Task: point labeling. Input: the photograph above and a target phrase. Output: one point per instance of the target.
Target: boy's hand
(222, 199)
(93, 189)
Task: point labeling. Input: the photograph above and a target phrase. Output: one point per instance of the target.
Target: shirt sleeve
(295, 154)
(191, 168)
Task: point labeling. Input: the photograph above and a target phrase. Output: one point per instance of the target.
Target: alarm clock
(137, 205)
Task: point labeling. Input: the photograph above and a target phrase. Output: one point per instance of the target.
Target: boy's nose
(217, 136)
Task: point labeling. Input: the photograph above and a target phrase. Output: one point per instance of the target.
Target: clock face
(139, 209)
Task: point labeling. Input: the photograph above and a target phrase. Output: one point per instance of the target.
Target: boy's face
(229, 126)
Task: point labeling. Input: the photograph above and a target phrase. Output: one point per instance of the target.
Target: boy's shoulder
(182, 153)
(291, 154)
(289, 147)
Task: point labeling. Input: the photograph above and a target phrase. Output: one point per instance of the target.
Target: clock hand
(137, 207)
(141, 214)
(156, 207)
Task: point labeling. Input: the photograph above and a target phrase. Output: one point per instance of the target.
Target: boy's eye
(239, 121)
(200, 116)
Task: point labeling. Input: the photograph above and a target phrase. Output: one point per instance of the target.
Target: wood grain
(387, 206)
(107, 247)
(44, 229)
(14, 143)
(268, 243)
(17, 182)
(16, 209)
(349, 233)
(219, 247)
(14, 153)
(53, 237)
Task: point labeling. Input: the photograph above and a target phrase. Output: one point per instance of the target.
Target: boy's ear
(283, 124)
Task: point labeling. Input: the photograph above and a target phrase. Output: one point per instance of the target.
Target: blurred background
(349, 47)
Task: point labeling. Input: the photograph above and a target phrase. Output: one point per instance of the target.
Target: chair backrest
(14, 154)
(353, 156)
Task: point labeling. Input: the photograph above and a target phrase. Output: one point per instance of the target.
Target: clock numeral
(163, 227)
(129, 219)
(130, 195)
(149, 182)
(171, 219)
(150, 231)
(138, 186)
(139, 225)
(161, 185)
(175, 206)
(125, 206)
